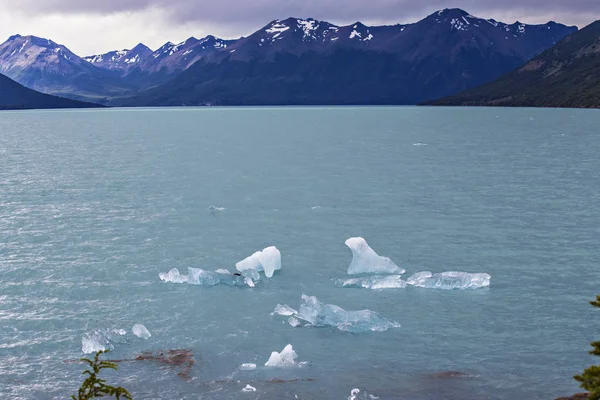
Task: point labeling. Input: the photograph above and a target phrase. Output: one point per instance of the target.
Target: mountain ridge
(296, 61)
(566, 75)
(444, 53)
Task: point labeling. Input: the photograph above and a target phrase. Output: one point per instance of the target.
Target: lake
(94, 204)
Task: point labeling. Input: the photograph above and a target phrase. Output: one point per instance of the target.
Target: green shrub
(590, 379)
(93, 387)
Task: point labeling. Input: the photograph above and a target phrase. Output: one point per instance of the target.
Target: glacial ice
(449, 280)
(102, 339)
(373, 282)
(314, 313)
(357, 394)
(197, 276)
(284, 310)
(366, 261)
(267, 260)
(285, 359)
(248, 367)
(249, 388)
(140, 331)
(94, 342)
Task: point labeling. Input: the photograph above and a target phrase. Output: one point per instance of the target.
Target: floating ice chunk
(173, 276)
(197, 276)
(94, 342)
(102, 339)
(449, 280)
(373, 282)
(420, 144)
(357, 394)
(247, 367)
(320, 315)
(268, 260)
(295, 322)
(140, 331)
(222, 271)
(285, 359)
(365, 260)
(284, 310)
(214, 209)
(251, 274)
(249, 388)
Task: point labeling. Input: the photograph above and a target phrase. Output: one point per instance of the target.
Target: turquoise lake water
(95, 204)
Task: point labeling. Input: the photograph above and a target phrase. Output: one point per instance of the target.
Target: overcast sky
(96, 26)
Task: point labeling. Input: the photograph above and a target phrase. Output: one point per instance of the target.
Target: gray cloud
(258, 12)
(95, 26)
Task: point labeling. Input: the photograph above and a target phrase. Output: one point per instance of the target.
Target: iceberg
(249, 388)
(285, 359)
(140, 331)
(102, 339)
(366, 261)
(267, 260)
(314, 313)
(94, 342)
(197, 276)
(449, 280)
(357, 394)
(284, 310)
(373, 282)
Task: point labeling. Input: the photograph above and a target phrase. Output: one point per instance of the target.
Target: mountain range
(567, 75)
(291, 61)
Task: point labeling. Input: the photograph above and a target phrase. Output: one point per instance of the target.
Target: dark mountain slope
(567, 75)
(16, 96)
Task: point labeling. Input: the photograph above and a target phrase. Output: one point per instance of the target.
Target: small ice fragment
(91, 344)
(295, 322)
(98, 340)
(284, 359)
(121, 332)
(223, 271)
(252, 274)
(140, 331)
(249, 281)
(248, 367)
(357, 394)
(320, 315)
(284, 310)
(267, 260)
(197, 276)
(249, 388)
(214, 209)
(420, 144)
(366, 260)
(173, 276)
(373, 282)
(449, 280)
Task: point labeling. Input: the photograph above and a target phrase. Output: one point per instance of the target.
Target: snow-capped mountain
(48, 67)
(305, 61)
(120, 59)
(292, 61)
(169, 59)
